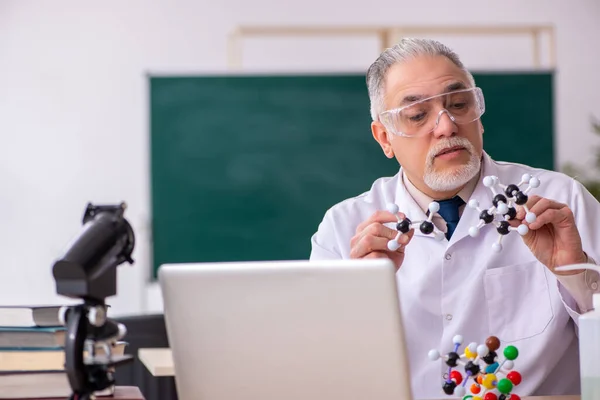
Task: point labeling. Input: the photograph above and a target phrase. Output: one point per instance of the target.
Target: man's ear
(381, 136)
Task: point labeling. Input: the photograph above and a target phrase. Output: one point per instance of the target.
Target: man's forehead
(422, 77)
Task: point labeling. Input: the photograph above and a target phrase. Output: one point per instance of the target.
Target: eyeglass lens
(422, 117)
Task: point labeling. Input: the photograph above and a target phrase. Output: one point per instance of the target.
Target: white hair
(406, 49)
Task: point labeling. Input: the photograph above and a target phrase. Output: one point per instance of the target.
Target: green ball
(467, 397)
(504, 386)
(511, 352)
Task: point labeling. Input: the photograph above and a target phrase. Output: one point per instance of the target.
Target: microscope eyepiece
(88, 268)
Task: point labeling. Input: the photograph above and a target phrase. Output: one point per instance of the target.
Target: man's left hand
(553, 237)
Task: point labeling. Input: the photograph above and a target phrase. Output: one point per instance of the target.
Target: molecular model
(404, 225)
(503, 208)
(491, 380)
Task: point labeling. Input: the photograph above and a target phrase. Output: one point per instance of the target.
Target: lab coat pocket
(518, 300)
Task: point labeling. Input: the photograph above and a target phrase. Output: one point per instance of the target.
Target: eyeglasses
(422, 117)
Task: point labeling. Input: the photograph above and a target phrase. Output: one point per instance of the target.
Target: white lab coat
(462, 287)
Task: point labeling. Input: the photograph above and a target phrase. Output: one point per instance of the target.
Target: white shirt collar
(422, 200)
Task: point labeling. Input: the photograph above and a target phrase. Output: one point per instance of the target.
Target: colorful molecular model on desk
(504, 207)
(404, 225)
(480, 363)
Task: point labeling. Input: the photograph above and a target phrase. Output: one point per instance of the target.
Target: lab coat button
(594, 285)
(448, 256)
(449, 317)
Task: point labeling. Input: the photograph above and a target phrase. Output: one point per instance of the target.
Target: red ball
(456, 376)
(514, 377)
(491, 396)
(515, 397)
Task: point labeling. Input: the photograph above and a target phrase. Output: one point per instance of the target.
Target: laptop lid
(293, 330)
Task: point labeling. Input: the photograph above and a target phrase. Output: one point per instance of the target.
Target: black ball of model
(512, 213)
(404, 225)
(490, 357)
(511, 190)
(499, 198)
(503, 227)
(426, 227)
(486, 216)
(521, 198)
(472, 368)
(452, 360)
(449, 387)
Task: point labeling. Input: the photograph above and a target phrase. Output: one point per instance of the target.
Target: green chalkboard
(244, 167)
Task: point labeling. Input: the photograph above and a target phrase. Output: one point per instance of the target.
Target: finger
(551, 216)
(532, 201)
(381, 217)
(537, 205)
(403, 240)
(520, 214)
(374, 229)
(378, 229)
(407, 237)
(516, 221)
(545, 204)
(369, 244)
(377, 237)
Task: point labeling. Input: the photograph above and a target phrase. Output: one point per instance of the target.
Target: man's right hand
(372, 237)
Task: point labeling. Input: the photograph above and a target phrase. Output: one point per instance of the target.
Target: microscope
(88, 271)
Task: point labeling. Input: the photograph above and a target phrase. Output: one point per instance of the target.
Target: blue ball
(490, 369)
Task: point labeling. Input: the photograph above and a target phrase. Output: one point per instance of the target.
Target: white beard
(443, 181)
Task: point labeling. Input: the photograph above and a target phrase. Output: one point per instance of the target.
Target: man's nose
(444, 124)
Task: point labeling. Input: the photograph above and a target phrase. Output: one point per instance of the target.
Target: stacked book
(32, 356)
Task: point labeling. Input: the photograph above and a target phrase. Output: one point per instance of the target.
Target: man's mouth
(450, 150)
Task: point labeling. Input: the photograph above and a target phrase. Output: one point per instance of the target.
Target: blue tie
(449, 211)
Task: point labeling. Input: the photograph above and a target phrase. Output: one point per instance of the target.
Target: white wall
(73, 104)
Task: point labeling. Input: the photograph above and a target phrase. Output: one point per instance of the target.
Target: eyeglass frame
(475, 89)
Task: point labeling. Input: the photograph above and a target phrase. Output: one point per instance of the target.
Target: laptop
(286, 330)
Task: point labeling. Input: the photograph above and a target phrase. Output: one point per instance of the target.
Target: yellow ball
(470, 355)
(490, 381)
(477, 398)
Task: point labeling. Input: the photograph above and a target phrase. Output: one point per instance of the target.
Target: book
(41, 373)
(50, 384)
(44, 359)
(41, 338)
(29, 316)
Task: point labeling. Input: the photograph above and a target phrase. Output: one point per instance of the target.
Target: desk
(159, 361)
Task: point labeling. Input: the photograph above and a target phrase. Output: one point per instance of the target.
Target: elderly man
(426, 113)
